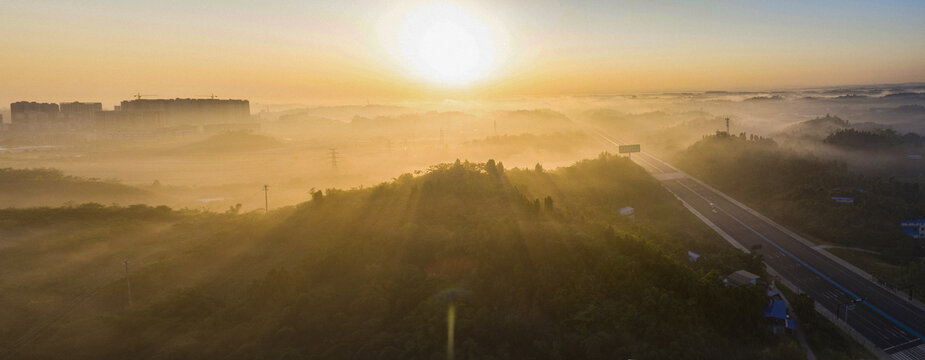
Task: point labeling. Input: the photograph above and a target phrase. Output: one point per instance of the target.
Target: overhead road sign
(625, 149)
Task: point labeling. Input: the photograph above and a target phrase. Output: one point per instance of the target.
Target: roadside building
(741, 277)
(778, 317)
(629, 212)
(916, 229)
(692, 256)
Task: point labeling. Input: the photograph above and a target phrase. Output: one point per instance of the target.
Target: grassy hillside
(535, 263)
(50, 187)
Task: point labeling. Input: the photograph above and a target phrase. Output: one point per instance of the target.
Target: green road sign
(629, 148)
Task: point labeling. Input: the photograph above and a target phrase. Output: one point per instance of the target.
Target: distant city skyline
(104, 50)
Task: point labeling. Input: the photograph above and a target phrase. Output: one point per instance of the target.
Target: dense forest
(797, 190)
(533, 263)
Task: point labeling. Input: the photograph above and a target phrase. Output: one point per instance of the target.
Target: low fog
(377, 216)
(295, 149)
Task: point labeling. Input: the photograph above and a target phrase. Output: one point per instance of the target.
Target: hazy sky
(311, 51)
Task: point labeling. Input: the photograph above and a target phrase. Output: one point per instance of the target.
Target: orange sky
(309, 52)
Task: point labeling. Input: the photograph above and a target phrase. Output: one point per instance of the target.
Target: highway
(889, 322)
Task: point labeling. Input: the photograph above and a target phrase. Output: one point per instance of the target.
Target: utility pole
(266, 198)
(727, 126)
(496, 127)
(334, 159)
(128, 283)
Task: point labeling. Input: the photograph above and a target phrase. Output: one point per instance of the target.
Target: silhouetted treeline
(872, 140)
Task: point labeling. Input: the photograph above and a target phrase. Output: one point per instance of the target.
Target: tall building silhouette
(190, 111)
(27, 112)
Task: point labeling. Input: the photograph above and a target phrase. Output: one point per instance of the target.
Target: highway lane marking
(849, 292)
(605, 137)
(651, 165)
(617, 142)
(882, 331)
(870, 324)
(670, 167)
(889, 296)
(865, 302)
(709, 223)
(903, 344)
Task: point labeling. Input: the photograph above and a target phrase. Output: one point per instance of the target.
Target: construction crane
(212, 96)
(139, 95)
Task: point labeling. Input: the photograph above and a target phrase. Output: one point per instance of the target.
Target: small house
(741, 277)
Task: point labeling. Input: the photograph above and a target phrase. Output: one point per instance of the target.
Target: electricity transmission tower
(334, 159)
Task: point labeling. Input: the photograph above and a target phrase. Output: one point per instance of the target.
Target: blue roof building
(776, 309)
(915, 228)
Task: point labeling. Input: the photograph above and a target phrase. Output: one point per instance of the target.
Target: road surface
(889, 322)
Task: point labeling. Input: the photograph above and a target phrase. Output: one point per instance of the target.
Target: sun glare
(447, 44)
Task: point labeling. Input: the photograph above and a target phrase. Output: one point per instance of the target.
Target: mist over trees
(879, 139)
(534, 260)
(798, 190)
(533, 252)
(36, 187)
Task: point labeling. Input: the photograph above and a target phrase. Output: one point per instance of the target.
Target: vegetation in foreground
(797, 190)
(824, 338)
(538, 264)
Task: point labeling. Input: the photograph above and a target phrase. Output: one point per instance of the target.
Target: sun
(446, 44)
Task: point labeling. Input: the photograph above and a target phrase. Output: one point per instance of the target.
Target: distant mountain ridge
(821, 127)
